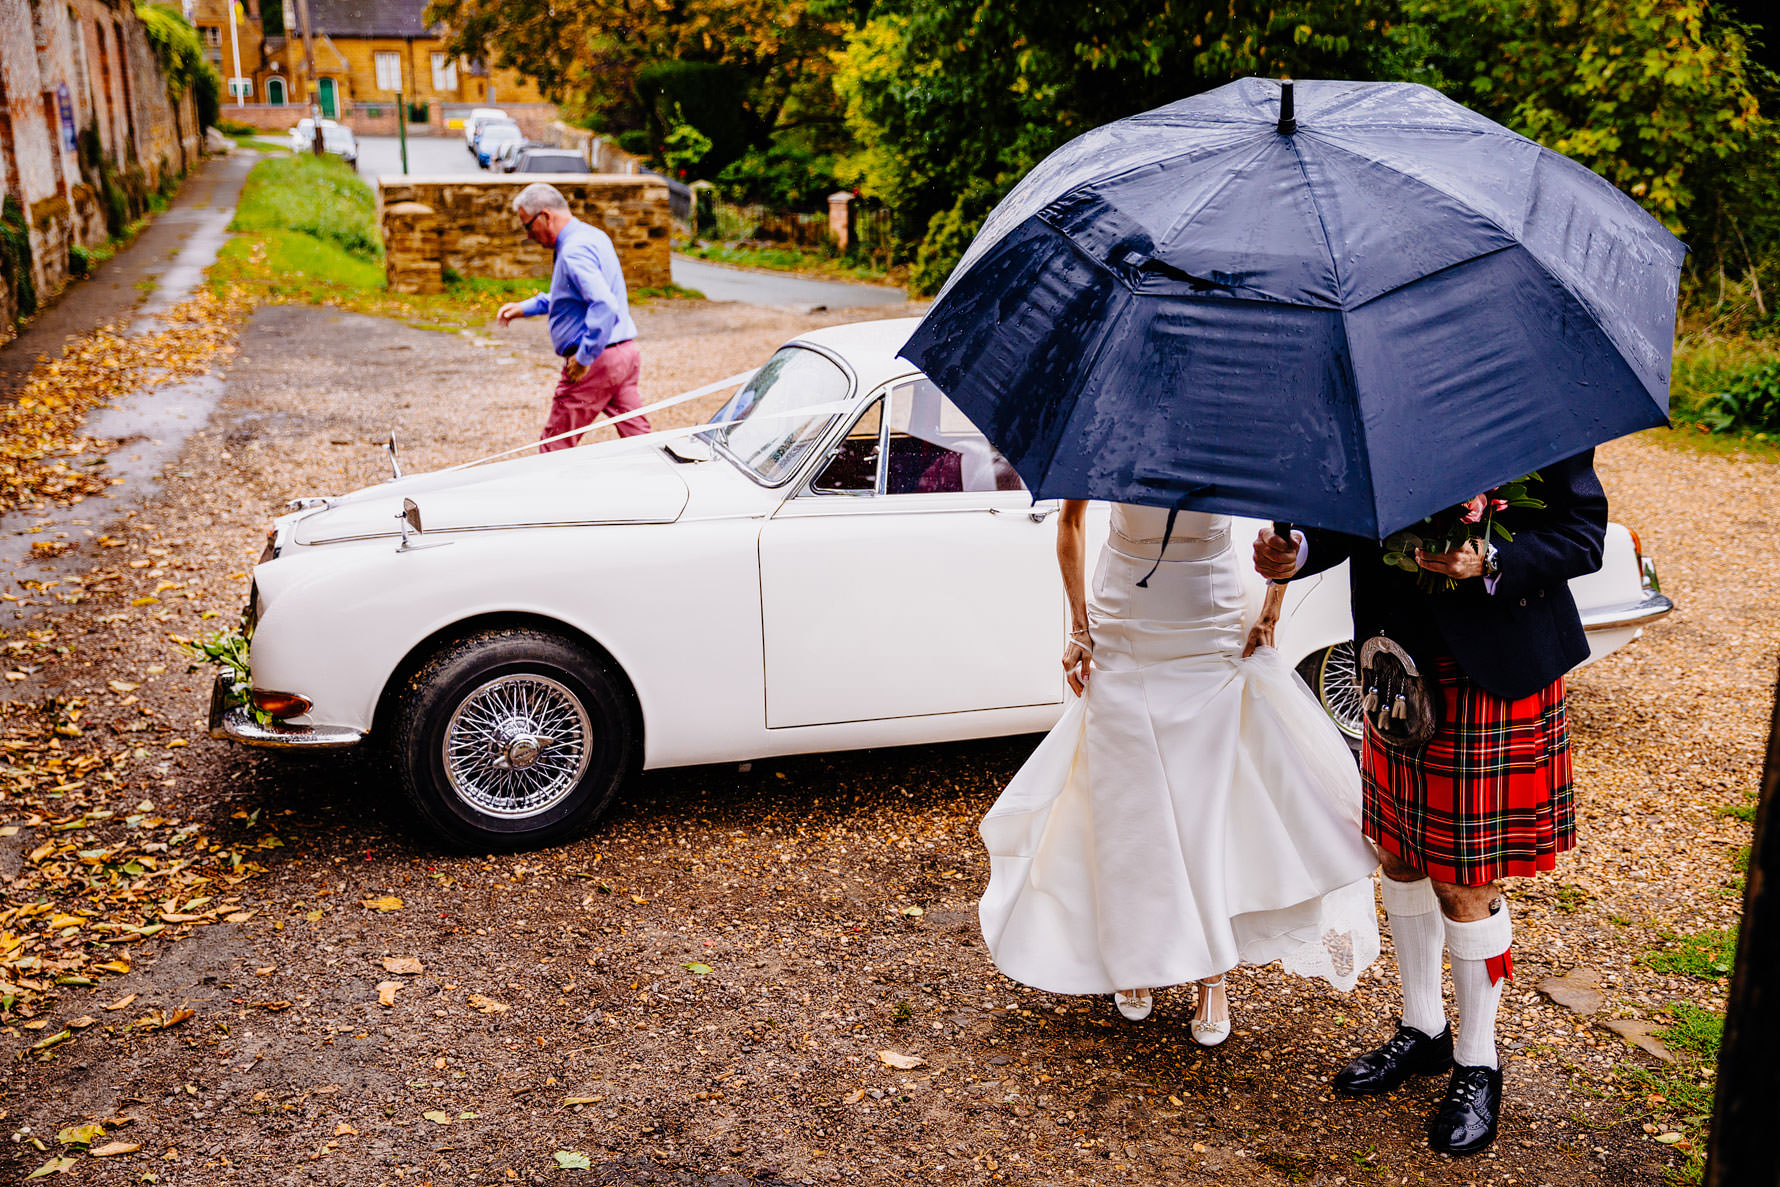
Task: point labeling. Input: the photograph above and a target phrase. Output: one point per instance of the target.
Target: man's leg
(626, 372)
(1423, 1042)
(1413, 912)
(1478, 938)
(568, 410)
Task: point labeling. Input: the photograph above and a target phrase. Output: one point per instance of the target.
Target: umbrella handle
(1283, 530)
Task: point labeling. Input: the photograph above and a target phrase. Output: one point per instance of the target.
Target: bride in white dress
(1192, 810)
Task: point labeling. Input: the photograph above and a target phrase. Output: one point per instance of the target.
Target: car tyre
(513, 739)
(1331, 676)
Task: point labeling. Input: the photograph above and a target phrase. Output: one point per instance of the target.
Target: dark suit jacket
(1517, 640)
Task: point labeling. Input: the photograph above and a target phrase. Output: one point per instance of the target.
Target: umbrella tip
(1288, 123)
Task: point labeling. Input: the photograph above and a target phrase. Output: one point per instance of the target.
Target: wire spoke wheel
(1333, 675)
(517, 745)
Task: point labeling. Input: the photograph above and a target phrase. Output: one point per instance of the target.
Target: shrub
(948, 235)
(1749, 403)
(15, 253)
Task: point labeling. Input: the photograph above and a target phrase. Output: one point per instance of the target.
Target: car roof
(868, 346)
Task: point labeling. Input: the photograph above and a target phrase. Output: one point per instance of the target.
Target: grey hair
(539, 196)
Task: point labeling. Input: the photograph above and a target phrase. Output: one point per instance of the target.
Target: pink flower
(1498, 504)
(1474, 509)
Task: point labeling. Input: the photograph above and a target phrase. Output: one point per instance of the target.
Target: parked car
(491, 137)
(341, 142)
(476, 117)
(302, 135)
(551, 160)
(503, 160)
(844, 563)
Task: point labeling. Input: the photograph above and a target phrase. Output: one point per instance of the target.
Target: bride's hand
(1078, 656)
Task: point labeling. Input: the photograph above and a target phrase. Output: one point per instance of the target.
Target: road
(780, 290)
(428, 156)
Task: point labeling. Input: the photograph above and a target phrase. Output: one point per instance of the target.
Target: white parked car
(476, 116)
(302, 135)
(845, 563)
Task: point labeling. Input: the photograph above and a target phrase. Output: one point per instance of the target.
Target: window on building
(389, 72)
(444, 72)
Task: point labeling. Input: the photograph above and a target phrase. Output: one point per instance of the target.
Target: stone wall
(467, 225)
(66, 68)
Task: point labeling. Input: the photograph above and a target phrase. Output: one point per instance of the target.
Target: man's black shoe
(1409, 1052)
(1466, 1121)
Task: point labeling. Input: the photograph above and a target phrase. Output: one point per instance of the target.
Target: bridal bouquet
(1448, 530)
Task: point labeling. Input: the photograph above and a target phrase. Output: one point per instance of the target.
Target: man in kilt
(1488, 796)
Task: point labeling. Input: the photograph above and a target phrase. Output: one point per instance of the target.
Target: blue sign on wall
(66, 106)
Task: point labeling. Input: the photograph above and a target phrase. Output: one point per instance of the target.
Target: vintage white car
(844, 563)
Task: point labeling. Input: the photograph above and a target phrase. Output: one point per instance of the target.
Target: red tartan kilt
(1488, 797)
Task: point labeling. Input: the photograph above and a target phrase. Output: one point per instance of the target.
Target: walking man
(590, 325)
(1488, 795)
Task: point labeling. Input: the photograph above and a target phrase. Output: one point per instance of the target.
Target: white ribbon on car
(683, 397)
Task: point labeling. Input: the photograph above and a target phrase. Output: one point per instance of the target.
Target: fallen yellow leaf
(110, 1149)
(406, 966)
(121, 1002)
(386, 992)
(487, 1005)
(343, 1129)
(387, 902)
(897, 1059)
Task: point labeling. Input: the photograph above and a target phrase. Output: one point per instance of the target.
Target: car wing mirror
(409, 517)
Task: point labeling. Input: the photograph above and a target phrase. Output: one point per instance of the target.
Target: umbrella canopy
(1350, 322)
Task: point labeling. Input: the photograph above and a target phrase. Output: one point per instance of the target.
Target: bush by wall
(316, 196)
(15, 254)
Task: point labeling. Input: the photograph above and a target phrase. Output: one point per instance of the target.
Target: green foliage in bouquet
(1455, 527)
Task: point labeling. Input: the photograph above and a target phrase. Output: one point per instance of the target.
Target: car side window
(852, 467)
(934, 449)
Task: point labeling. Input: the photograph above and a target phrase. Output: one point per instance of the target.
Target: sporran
(1395, 698)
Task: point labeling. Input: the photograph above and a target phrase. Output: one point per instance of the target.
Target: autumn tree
(950, 102)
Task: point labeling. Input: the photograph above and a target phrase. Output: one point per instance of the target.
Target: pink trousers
(610, 386)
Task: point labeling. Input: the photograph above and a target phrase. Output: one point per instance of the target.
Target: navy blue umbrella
(1350, 317)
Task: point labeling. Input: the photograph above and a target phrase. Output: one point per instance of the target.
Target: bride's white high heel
(1206, 1031)
(1134, 1004)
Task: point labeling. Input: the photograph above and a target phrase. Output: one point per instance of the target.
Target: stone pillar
(704, 209)
(412, 260)
(840, 219)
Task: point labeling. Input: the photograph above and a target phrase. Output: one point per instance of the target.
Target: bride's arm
(1072, 546)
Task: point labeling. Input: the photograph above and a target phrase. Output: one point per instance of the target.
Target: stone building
(364, 52)
(86, 131)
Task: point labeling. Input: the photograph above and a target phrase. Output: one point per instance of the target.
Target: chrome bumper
(1641, 613)
(235, 723)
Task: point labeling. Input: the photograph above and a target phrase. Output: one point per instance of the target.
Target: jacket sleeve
(1563, 541)
(1327, 549)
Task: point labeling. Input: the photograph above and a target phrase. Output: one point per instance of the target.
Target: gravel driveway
(699, 992)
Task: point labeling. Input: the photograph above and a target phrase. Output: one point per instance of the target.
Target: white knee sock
(1476, 985)
(1417, 932)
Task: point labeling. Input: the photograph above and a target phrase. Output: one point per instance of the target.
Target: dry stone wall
(467, 225)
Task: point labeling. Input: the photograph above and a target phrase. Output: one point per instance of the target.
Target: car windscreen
(780, 414)
(493, 128)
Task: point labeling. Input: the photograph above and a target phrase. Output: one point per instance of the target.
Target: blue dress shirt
(588, 307)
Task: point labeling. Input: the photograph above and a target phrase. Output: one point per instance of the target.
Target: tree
(181, 57)
(740, 72)
(949, 102)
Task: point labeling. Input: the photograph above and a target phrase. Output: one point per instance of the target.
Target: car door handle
(1035, 513)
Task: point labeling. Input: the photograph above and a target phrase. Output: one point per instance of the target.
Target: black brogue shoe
(1407, 1053)
(1466, 1120)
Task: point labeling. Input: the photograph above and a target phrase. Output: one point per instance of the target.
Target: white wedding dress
(1194, 810)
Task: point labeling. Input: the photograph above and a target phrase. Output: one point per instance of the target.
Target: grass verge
(1706, 362)
(789, 259)
(306, 233)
